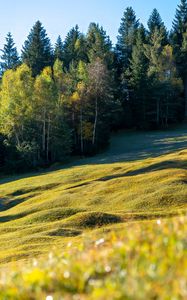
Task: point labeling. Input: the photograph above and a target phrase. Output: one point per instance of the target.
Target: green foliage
(74, 48)
(126, 38)
(9, 57)
(155, 23)
(84, 88)
(16, 102)
(37, 51)
(139, 82)
(58, 51)
(99, 45)
(180, 22)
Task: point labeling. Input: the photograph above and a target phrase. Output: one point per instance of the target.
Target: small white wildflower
(49, 298)
(158, 222)
(123, 273)
(119, 244)
(69, 244)
(50, 256)
(107, 269)
(64, 261)
(35, 263)
(67, 274)
(99, 242)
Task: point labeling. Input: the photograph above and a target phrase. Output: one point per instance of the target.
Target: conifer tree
(9, 57)
(179, 44)
(155, 22)
(139, 80)
(69, 49)
(127, 36)
(180, 22)
(37, 51)
(99, 45)
(58, 51)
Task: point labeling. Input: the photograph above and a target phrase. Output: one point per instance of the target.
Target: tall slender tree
(99, 45)
(127, 36)
(179, 43)
(37, 50)
(139, 80)
(9, 57)
(58, 51)
(70, 49)
(155, 22)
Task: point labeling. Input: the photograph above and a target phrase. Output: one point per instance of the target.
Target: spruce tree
(69, 49)
(155, 22)
(179, 43)
(37, 51)
(58, 51)
(99, 45)
(139, 80)
(9, 57)
(127, 36)
(180, 22)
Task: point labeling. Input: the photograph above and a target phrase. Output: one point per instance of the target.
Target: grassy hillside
(141, 176)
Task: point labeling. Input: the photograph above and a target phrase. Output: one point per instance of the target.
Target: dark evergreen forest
(61, 100)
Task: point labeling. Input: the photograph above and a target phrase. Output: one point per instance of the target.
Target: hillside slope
(141, 176)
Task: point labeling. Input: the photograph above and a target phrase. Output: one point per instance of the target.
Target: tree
(54, 136)
(155, 23)
(101, 101)
(37, 51)
(70, 49)
(139, 82)
(127, 36)
(165, 86)
(16, 104)
(9, 57)
(99, 45)
(180, 22)
(44, 101)
(179, 44)
(58, 52)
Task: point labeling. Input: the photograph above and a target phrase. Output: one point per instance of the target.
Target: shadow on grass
(174, 164)
(124, 147)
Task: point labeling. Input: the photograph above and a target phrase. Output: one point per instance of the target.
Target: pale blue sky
(58, 16)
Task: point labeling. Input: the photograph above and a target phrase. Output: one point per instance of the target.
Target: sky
(59, 16)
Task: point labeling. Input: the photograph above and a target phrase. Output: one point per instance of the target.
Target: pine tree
(99, 45)
(127, 36)
(180, 22)
(37, 51)
(179, 43)
(155, 22)
(165, 86)
(58, 51)
(69, 49)
(81, 47)
(9, 58)
(139, 80)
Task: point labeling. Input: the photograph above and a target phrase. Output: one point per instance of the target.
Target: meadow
(107, 227)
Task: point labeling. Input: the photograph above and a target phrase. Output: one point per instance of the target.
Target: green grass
(141, 178)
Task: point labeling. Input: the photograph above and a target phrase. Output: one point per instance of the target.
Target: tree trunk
(44, 133)
(17, 138)
(158, 112)
(185, 96)
(95, 123)
(48, 138)
(81, 120)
